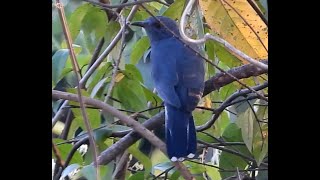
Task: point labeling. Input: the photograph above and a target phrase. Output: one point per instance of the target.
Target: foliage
(244, 122)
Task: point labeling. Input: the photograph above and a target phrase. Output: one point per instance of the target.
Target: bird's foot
(174, 159)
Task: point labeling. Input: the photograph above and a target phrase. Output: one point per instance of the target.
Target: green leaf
(137, 176)
(98, 86)
(134, 98)
(260, 139)
(225, 56)
(101, 72)
(213, 173)
(76, 18)
(58, 63)
(100, 135)
(94, 26)
(95, 20)
(153, 98)
(211, 55)
(201, 116)
(81, 59)
(227, 90)
(245, 121)
(133, 149)
(74, 126)
(65, 149)
(175, 10)
(221, 123)
(228, 161)
(175, 175)
(195, 168)
(111, 30)
(93, 117)
(138, 49)
(132, 72)
(89, 172)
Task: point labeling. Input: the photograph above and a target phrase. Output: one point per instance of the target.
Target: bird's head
(155, 30)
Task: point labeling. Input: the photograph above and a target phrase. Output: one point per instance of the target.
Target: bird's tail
(180, 134)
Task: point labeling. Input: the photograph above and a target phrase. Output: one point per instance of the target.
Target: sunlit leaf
(224, 21)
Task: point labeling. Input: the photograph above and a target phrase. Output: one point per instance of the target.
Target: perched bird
(178, 75)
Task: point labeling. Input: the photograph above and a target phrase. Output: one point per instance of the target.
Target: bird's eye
(157, 25)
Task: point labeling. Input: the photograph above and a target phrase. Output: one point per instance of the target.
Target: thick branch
(241, 72)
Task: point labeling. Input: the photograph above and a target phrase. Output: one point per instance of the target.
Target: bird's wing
(165, 77)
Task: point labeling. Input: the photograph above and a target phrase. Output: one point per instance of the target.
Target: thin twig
(121, 166)
(96, 53)
(67, 125)
(230, 151)
(256, 117)
(238, 174)
(210, 165)
(74, 60)
(117, 62)
(213, 110)
(74, 149)
(164, 172)
(258, 11)
(215, 38)
(91, 70)
(57, 154)
(226, 103)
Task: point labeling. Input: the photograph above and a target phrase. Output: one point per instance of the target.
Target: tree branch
(95, 65)
(227, 103)
(143, 131)
(222, 79)
(77, 72)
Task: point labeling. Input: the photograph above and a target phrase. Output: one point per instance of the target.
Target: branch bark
(222, 79)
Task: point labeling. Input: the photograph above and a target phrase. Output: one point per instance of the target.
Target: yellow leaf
(119, 77)
(58, 128)
(233, 23)
(207, 102)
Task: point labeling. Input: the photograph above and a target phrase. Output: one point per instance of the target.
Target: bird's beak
(139, 23)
